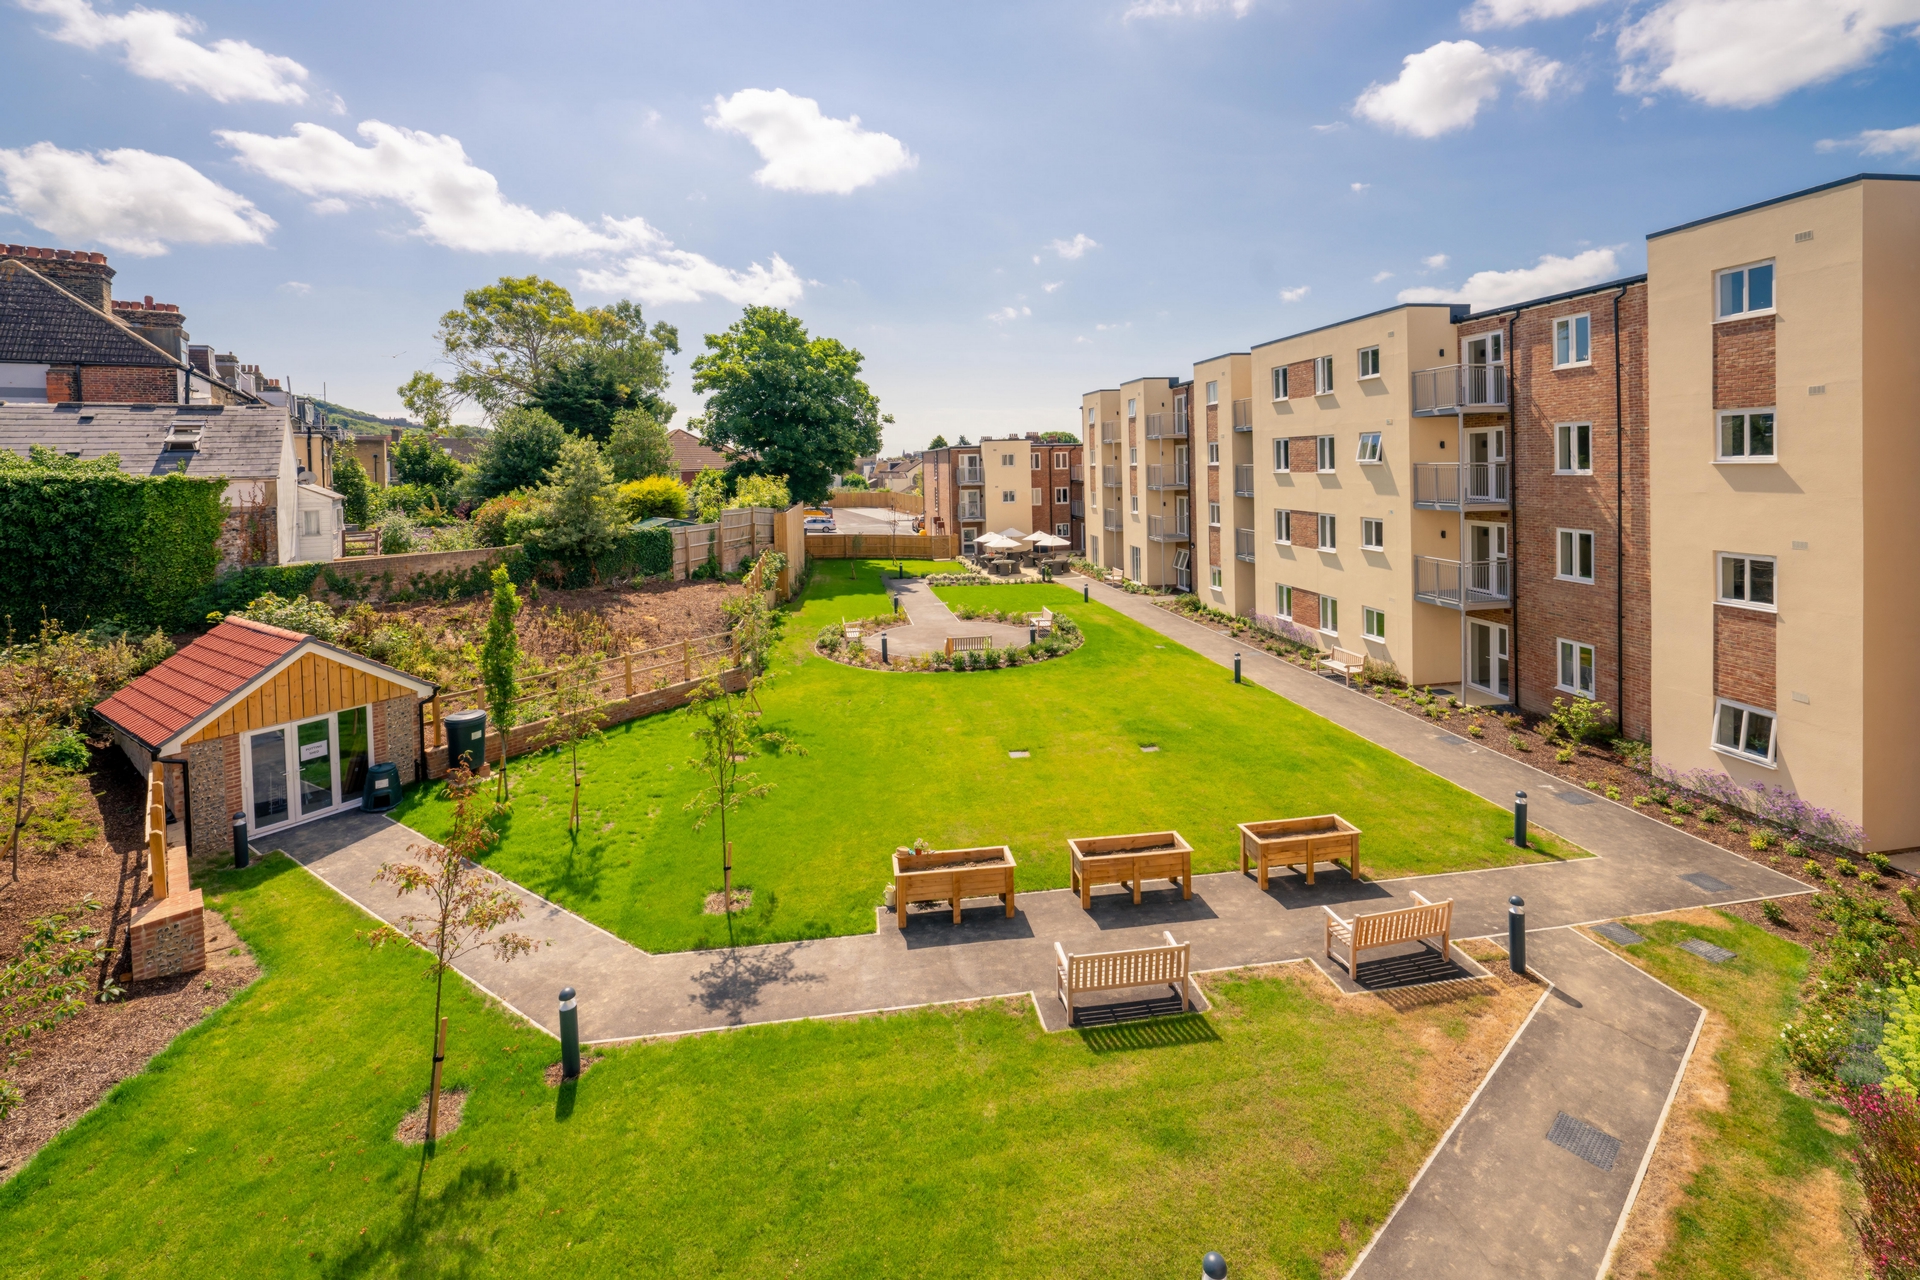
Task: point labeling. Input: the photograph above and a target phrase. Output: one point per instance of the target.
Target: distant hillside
(362, 423)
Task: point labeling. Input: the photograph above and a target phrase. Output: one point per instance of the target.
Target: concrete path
(1595, 1067)
(930, 622)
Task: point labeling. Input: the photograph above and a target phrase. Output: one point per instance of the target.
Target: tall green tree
(418, 459)
(429, 399)
(938, 442)
(518, 454)
(582, 507)
(782, 403)
(500, 664)
(350, 482)
(638, 446)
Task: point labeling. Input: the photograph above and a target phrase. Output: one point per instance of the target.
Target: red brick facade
(1306, 609)
(112, 384)
(1059, 468)
(1300, 380)
(1744, 651)
(1743, 376)
(1303, 451)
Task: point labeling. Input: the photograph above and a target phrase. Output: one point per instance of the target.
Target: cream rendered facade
(1008, 484)
(1105, 450)
(1831, 510)
(1151, 457)
(1223, 463)
(1423, 641)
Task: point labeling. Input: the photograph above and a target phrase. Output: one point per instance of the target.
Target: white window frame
(1746, 417)
(1566, 456)
(1329, 612)
(1746, 291)
(1213, 577)
(1063, 531)
(1133, 407)
(1746, 711)
(1282, 527)
(1577, 330)
(1062, 459)
(1326, 531)
(1283, 600)
(1720, 562)
(1009, 496)
(1567, 543)
(1133, 455)
(1213, 514)
(1373, 624)
(1213, 453)
(1561, 647)
(1283, 454)
(966, 539)
(1213, 393)
(1280, 382)
(1039, 497)
(310, 523)
(1323, 455)
(1323, 375)
(1368, 359)
(1373, 534)
(1062, 495)
(1368, 454)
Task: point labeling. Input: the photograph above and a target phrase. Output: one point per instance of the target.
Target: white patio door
(307, 769)
(1488, 663)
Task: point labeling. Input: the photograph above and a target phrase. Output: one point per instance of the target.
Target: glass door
(1487, 660)
(269, 777)
(316, 765)
(1486, 458)
(356, 749)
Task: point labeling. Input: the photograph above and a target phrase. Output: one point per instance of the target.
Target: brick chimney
(83, 274)
(158, 322)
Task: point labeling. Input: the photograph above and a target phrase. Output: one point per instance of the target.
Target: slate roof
(41, 323)
(241, 441)
(194, 681)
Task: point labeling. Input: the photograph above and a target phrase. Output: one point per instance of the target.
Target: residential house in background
(1017, 483)
(692, 455)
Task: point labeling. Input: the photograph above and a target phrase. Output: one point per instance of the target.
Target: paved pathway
(930, 622)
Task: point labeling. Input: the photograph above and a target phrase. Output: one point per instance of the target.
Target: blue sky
(1036, 199)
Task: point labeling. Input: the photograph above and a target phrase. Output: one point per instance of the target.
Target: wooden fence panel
(913, 502)
(880, 546)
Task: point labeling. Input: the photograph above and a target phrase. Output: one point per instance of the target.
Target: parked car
(818, 524)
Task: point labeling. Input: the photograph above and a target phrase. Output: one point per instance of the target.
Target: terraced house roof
(41, 323)
(238, 441)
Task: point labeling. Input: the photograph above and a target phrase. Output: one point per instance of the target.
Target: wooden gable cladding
(312, 686)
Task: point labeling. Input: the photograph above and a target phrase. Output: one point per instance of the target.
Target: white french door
(296, 772)
(1488, 663)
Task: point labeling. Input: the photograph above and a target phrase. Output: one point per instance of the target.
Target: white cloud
(1103, 328)
(1486, 14)
(1435, 262)
(1359, 186)
(1443, 87)
(1295, 295)
(457, 204)
(1879, 142)
(155, 45)
(1379, 276)
(133, 201)
(1074, 248)
(1050, 287)
(297, 286)
(1005, 314)
(805, 150)
(1550, 275)
(1185, 8)
(1746, 53)
(331, 205)
(1335, 127)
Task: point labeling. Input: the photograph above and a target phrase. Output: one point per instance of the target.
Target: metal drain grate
(1707, 951)
(1616, 932)
(1596, 1146)
(1573, 797)
(1018, 755)
(1712, 884)
(1149, 749)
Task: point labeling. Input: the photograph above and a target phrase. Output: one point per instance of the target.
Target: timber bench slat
(1127, 860)
(1119, 970)
(1422, 920)
(1297, 843)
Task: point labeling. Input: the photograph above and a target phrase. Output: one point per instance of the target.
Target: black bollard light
(1213, 1267)
(1519, 819)
(1517, 934)
(1236, 668)
(1083, 592)
(1033, 635)
(884, 659)
(239, 840)
(569, 1035)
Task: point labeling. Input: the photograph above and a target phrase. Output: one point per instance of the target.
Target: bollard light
(239, 840)
(1083, 592)
(1517, 934)
(1033, 635)
(1519, 819)
(884, 659)
(1213, 1267)
(569, 1035)
(1236, 668)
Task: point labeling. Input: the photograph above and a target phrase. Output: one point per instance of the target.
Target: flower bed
(1066, 637)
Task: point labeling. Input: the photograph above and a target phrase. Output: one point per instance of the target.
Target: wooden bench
(1118, 970)
(1422, 920)
(1127, 860)
(1299, 842)
(932, 877)
(1041, 621)
(961, 644)
(1346, 662)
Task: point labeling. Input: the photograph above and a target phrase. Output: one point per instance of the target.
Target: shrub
(1517, 742)
(490, 518)
(65, 749)
(1676, 820)
(301, 613)
(653, 496)
(1812, 869)
(523, 447)
(1564, 755)
(1579, 719)
(1794, 849)
(398, 535)
(1640, 802)
(1737, 827)
(1475, 730)
(1760, 841)
(1683, 806)
(1887, 1122)
(1771, 910)
(1613, 793)
(1710, 814)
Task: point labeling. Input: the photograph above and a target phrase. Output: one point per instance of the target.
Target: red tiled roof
(198, 678)
(690, 453)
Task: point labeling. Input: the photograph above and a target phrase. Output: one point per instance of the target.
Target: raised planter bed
(1127, 860)
(951, 875)
(1299, 843)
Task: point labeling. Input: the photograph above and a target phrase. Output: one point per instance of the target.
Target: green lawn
(1770, 1197)
(895, 756)
(1279, 1129)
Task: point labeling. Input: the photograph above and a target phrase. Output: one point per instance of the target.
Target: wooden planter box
(1146, 855)
(1300, 842)
(951, 875)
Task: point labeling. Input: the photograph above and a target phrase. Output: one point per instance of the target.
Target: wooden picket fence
(881, 546)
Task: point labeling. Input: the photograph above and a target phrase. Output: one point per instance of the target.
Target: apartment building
(1146, 476)
(1223, 480)
(956, 493)
(1058, 490)
(1105, 449)
(1018, 484)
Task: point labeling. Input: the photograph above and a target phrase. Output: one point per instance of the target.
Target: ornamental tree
(728, 736)
(500, 663)
(518, 454)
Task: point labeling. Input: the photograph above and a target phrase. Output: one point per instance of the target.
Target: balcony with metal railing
(1078, 509)
(1453, 584)
(1243, 545)
(1166, 529)
(1460, 388)
(1111, 519)
(1243, 415)
(970, 475)
(1243, 480)
(1162, 426)
(1110, 475)
(1460, 486)
(972, 511)
(1162, 476)
(1110, 433)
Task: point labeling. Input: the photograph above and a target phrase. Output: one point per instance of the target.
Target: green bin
(467, 738)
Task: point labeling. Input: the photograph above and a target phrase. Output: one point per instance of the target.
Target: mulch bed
(73, 1066)
(716, 903)
(633, 616)
(554, 1077)
(412, 1130)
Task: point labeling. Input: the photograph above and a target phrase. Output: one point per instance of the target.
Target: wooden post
(629, 661)
(689, 657)
(433, 705)
(433, 1096)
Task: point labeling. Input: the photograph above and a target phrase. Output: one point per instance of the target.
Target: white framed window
(1572, 341)
(1066, 531)
(1061, 461)
(1369, 362)
(1283, 527)
(1745, 435)
(1008, 495)
(1373, 623)
(1576, 555)
(1062, 495)
(1213, 576)
(1093, 417)
(1743, 291)
(1280, 382)
(1329, 615)
(1213, 393)
(310, 523)
(1132, 406)
(1035, 459)
(1039, 496)
(1323, 453)
(1326, 531)
(1373, 534)
(1576, 668)
(1282, 454)
(1133, 455)
(1573, 448)
(1283, 600)
(1744, 731)
(1213, 453)
(1136, 504)
(1323, 376)
(1747, 580)
(1369, 450)
(966, 539)
(1213, 514)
